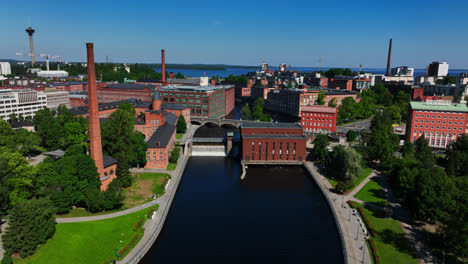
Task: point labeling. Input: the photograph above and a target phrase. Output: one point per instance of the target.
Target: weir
(209, 150)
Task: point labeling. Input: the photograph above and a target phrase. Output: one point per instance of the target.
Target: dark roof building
(162, 136)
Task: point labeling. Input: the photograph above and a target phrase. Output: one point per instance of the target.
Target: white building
(52, 74)
(462, 78)
(437, 69)
(25, 102)
(55, 99)
(5, 68)
(402, 71)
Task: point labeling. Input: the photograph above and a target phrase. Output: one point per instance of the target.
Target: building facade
(55, 99)
(206, 101)
(266, 141)
(24, 102)
(342, 84)
(437, 69)
(5, 68)
(402, 71)
(318, 119)
(439, 121)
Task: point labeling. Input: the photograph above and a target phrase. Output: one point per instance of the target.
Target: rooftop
(273, 136)
(253, 124)
(319, 109)
(162, 135)
(194, 88)
(108, 161)
(130, 86)
(434, 106)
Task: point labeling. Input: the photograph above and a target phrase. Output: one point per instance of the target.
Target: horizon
(341, 34)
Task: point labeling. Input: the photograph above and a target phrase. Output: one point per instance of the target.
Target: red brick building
(246, 92)
(441, 122)
(318, 118)
(265, 141)
(206, 101)
(341, 84)
(123, 91)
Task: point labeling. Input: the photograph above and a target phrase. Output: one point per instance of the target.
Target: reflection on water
(276, 215)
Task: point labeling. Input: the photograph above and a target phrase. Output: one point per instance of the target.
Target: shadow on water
(276, 215)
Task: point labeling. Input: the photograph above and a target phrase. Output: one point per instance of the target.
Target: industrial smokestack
(389, 57)
(163, 67)
(30, 32)
(94, 126)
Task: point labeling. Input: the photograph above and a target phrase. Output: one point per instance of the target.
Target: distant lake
(240, 71)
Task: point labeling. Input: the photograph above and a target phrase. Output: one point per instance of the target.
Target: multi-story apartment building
(439, 121)
(318, 118)
(21, 102)
(5, 68)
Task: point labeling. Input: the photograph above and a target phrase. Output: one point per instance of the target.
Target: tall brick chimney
(163, 67)
(389, 57)
(94, 127)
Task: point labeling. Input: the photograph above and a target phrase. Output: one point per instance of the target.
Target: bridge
(198, 120)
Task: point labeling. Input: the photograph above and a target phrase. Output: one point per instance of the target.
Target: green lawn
(372, 193)
(179, 136)
(171, 166)
(365, 172)
(87, 242)
(391, 243)
(143, 187)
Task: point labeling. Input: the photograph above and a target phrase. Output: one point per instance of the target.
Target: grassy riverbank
(87, 242)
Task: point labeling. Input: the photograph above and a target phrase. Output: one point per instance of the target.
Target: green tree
(457, 157)
(351, 135)
(320, 98)
(424, 153)
(30, 224)
(381, 141)
(245, 112)
(348, 72)
(347, 109)
(123, 172)
(344, 164)
(434, 189)
(394, 113)
(319, 152)
(181, 125)
(174, 155)
(128, 107)
(13, 117)
(333, 72)
(332, 102)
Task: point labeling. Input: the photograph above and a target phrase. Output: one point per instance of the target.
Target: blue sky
(343, 33)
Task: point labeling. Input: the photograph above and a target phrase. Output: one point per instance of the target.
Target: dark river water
(276, 215)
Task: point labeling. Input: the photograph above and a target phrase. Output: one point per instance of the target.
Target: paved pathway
(352, 232)
(415, 237)
(154, 226)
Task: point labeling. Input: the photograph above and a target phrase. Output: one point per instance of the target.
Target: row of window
(315, 114)
(317, 119)
(317, 124)
(438, 122)
(259, 156)
(437, 127)
(185, 95)
(431, 133)
(438, 117)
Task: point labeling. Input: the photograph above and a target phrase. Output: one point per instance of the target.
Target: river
(276, 215)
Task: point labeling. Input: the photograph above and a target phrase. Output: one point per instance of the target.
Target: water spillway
(209, 150)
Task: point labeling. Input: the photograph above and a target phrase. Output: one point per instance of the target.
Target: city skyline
(342, 34)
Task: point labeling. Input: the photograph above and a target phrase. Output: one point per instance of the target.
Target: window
(438, 117)
(417, 115)
(461, 118)
(461, 128)
(456, 118)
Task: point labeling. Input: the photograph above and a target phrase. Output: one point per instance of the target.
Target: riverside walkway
(355, 250)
